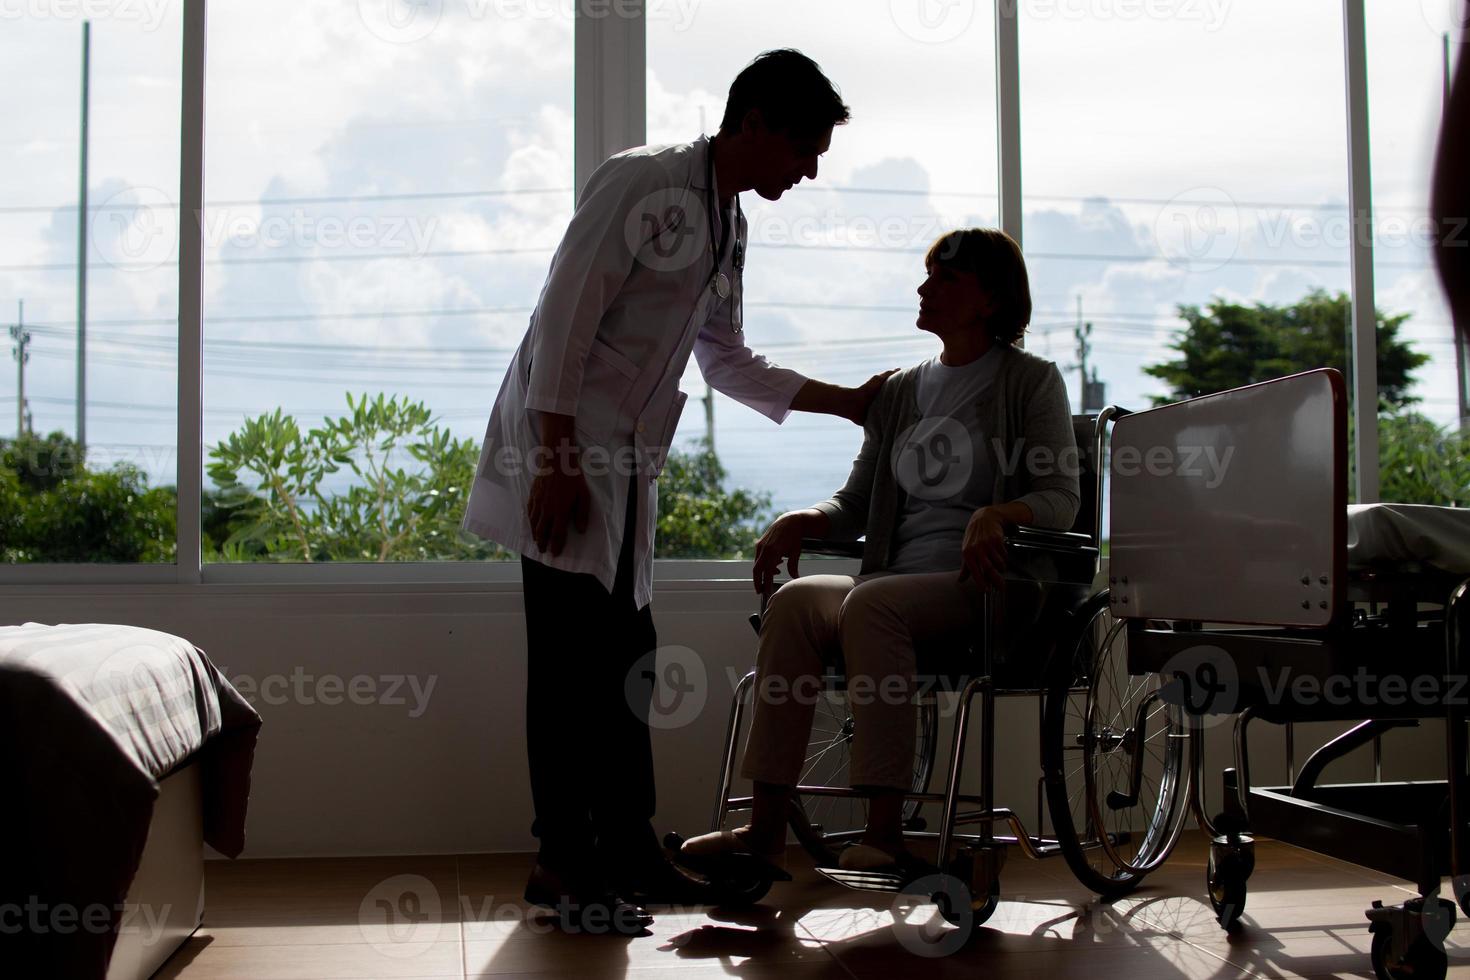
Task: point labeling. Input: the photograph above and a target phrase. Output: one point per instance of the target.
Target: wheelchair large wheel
(828, 763)
(1113, 758)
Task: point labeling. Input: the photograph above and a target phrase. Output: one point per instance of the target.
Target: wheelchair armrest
(1041, 537)
(832, 548)
(1065, 556)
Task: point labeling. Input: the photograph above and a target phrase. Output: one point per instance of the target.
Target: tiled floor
(431, 917)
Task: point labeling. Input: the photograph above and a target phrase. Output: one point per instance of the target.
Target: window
(96, 483)
(1422, 454)
(1186, 189)
(1173, 163)
(833, 265)
(385, 186)
(386, 183)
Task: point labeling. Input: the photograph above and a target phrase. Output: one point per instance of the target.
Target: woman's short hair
(995, 259)
(790, 91)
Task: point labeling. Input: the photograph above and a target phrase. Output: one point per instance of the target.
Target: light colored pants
(872, 625)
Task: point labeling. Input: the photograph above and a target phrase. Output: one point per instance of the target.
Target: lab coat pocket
(655, 433)
(606, 381)
(617, 361)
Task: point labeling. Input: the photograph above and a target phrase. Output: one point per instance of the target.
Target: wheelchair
(1240, 594)
(1115, 793)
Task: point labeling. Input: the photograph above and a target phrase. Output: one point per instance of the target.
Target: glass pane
(102, 490)
(1422, 454)
(833, 265)
(385, 185)
(1185, 181)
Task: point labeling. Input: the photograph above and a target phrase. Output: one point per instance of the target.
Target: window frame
(609, 99)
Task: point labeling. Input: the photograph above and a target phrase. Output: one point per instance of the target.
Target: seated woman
(955, 450)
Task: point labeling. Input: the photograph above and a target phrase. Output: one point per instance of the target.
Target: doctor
(649, 270)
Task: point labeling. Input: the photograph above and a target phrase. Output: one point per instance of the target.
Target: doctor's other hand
(782, 542)
(559, 496)
(861, 397)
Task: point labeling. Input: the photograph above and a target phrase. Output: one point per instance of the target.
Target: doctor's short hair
(995, 259)
(792, 94)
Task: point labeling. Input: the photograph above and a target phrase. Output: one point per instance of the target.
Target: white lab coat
(627, 299)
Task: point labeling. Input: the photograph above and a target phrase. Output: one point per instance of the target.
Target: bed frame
(165, 904)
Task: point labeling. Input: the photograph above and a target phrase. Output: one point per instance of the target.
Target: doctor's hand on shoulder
(848, 403)
(559, 497)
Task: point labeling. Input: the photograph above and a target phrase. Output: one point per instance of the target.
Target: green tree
(53, 509)
(698, 517)
(1227, 345)
(339, 492)
(273, 485)
(1420, 462)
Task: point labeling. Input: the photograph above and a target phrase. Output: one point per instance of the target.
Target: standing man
(649, 271)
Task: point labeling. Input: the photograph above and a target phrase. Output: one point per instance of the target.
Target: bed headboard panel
(1232, 507)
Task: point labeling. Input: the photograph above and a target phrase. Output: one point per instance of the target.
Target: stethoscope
(720, 283)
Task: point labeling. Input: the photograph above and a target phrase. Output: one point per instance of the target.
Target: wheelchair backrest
(1084, 429)
(1232, 508)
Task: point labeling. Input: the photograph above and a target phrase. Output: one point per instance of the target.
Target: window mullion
(1360, 207)
(609, 99)
(189, 458)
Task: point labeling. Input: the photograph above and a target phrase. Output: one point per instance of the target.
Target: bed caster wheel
(1462, 892)
(1421, 960)
(1408, 942)
(1230, 866)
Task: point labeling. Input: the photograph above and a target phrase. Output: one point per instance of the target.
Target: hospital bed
(1247, 590)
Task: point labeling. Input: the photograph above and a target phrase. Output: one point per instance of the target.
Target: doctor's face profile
(782, 159)
(952, 301)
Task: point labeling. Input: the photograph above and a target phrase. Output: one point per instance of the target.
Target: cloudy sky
(386, 187)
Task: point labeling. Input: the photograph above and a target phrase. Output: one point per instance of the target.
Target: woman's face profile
(952, 300)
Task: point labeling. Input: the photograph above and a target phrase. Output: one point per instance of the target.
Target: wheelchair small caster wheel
(1230, 866)
(738, 892)
(959, 907)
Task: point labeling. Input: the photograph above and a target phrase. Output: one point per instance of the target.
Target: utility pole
(1092, 393)
(22, 341)
(82, 248)
(1082, 332)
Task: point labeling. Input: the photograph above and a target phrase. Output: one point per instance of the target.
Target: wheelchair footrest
(867, 881)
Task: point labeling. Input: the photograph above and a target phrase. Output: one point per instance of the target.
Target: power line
(275, 201)
(755, 246)
(815, 189)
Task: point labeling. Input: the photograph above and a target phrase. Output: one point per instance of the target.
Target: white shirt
(952, 476)
(628, 298)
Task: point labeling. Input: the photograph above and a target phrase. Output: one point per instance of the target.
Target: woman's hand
(782, 542)
(983, 553)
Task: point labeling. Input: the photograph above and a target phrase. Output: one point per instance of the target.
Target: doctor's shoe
(585, 906)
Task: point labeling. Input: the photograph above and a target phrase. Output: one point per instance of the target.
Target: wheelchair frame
(982, 854)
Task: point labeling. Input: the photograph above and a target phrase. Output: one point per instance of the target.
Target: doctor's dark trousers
(587, 736)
